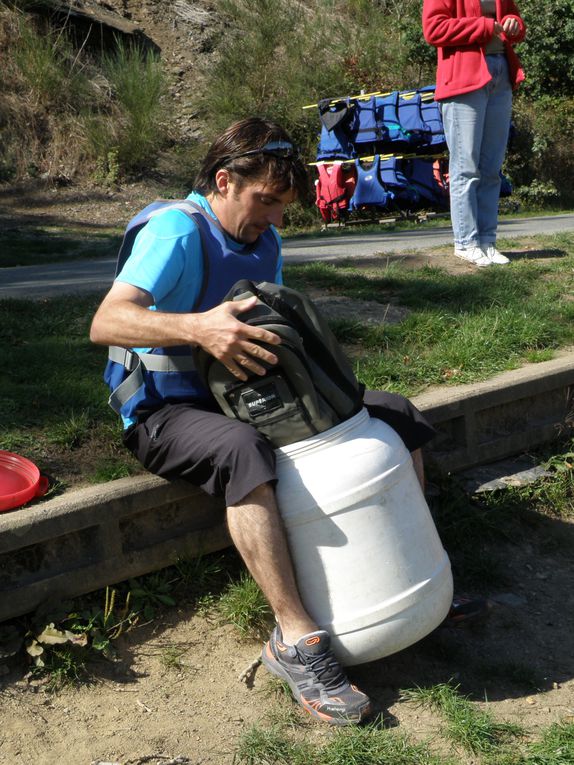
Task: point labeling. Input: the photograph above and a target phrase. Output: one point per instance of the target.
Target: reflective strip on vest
(135, 363)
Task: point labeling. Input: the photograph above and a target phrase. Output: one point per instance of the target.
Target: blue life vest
(146, 381)
(367, 131)
(421, 176)
(370, 191)
(393, 178)
(415, 129)
(337, 121)
(388, 116)
(432, 116)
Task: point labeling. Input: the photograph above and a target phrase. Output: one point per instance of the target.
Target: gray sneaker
(316, 678)
(473, 255)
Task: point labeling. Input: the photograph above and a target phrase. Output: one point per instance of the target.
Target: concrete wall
(88, 538)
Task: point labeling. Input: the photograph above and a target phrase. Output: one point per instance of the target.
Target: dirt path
(520, 659)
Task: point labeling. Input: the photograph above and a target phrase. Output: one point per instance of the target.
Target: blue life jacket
(337, 124)
(432, 116)
(414, 128)
(367, 130)
(392, 176)
(421, 176)
(370, 191)
(146, 381)
(388, 116)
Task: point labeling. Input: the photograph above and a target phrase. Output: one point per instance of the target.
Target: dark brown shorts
(228, 458)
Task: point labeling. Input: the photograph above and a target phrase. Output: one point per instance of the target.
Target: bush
(548, 50)
(137, 132)
(541, 155)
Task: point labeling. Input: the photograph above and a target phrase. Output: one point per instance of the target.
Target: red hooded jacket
(460, 33)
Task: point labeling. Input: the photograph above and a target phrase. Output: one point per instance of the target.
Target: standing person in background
(476, 73)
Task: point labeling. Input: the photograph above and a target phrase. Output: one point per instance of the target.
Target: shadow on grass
(542, 254)
(38, 246)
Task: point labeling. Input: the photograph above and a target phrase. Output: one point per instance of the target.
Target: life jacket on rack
(337, 119)
(432, 117)
(333, 189)
(145, 379)
(417, 132)
(388, 116)
(367, 130)
(393, 178)
(369, 190)
(421, 176)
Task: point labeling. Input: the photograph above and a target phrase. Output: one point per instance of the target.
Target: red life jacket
(333, 189)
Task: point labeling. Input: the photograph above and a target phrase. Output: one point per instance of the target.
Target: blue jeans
(476, 126)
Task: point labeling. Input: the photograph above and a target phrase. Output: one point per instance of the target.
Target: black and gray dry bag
(311, 389)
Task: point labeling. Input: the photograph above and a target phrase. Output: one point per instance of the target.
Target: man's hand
(231, 341)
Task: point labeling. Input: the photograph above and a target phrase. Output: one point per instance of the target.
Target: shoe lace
(326, 669)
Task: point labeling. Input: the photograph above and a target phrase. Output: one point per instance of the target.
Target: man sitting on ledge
(166, 299)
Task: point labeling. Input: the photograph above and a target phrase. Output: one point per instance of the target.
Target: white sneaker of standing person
(474, 255)
(495, 257)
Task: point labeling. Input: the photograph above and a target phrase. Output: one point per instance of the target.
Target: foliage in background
(298, 55)
(66, 111)
(548, 51)
(137, 83)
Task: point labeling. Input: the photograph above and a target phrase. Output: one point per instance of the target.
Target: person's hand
(510, 28)
(231, 341)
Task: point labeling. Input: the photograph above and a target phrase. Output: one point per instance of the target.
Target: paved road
(97, 275)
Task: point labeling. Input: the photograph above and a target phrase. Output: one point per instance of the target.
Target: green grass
(369, 745)
(53, 402)
(466, 725)
(489, 742)
(52, 244)
(243, 605)
(459, 329)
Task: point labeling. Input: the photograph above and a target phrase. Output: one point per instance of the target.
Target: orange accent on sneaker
(312, 708)
(313, 640)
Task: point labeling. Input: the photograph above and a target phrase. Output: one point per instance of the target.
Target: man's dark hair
(254, 150)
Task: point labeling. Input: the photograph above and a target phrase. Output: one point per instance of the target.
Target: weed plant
(71, 113)
(465, 724)
(368, 745)
(138, 84)
(243, 605)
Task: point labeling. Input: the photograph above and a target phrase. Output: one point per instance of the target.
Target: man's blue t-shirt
(166, 259)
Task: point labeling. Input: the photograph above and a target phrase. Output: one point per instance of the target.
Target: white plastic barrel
(368, 560)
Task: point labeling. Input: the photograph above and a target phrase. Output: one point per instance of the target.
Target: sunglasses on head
(281, 149)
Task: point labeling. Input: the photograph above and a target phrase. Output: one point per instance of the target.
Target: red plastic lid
(20, 481)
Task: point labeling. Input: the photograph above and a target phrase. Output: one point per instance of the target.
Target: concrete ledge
(508, 414)
(89, 538)
(92, 537)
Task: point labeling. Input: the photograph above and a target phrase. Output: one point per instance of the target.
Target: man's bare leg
(258, 533)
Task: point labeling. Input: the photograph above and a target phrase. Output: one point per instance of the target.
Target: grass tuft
(244, 605)
(465, 724)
